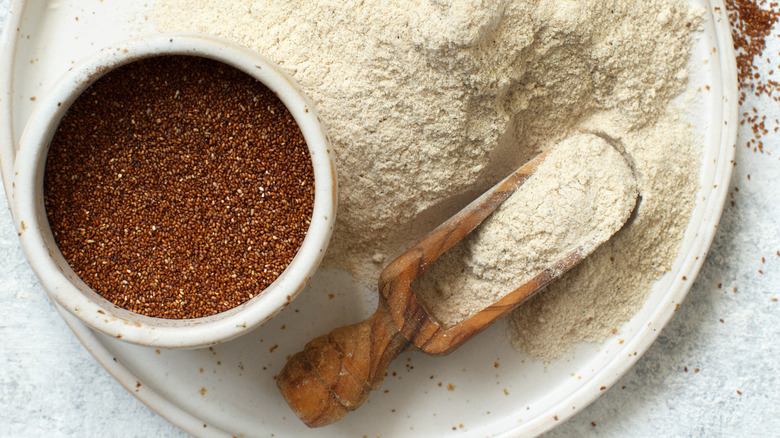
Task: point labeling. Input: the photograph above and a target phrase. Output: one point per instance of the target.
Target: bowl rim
(66, 288)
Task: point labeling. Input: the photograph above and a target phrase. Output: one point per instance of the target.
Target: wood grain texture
(409, 314)
(335, 372)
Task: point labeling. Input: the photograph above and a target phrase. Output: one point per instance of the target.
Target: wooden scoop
(335, 372)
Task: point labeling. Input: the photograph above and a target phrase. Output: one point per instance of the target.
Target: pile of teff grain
(752, 22)
(178, 187)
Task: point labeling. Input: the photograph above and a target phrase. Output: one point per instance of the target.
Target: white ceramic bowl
(66, 288)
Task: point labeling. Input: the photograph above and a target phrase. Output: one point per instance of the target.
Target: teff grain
(178, 187)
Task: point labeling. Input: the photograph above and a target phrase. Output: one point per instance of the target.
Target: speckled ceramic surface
(72, 294)
(485, 388)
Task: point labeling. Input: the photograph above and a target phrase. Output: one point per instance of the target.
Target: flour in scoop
(581, 194)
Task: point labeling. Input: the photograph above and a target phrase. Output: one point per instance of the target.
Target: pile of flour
(581, 194)
(430, 102)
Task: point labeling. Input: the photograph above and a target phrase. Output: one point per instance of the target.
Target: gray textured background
(51, 386)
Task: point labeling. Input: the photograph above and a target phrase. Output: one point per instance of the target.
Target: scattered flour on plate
(578, 197)
(430, 102)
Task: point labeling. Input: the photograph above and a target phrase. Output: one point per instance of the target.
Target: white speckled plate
(483, 389)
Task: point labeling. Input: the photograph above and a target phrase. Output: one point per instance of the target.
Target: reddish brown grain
(751, 24)
(178, 187)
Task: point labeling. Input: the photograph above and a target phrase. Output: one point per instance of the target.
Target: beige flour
(581, 194)
(428, 103)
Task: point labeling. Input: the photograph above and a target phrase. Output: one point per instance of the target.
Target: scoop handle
(335, 372)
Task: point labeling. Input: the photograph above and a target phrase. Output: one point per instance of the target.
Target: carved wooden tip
(308, 396)
(335, 372)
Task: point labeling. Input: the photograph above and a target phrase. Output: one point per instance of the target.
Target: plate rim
(646, 336)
